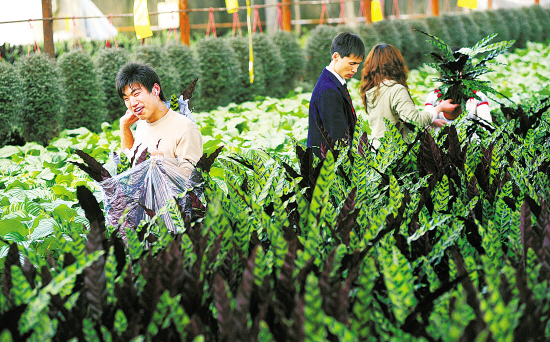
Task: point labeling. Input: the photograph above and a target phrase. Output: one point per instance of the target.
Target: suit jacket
(331, 104)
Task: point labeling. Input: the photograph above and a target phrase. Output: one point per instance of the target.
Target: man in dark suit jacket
(330, 103)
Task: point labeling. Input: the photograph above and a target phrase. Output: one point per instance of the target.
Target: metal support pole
(48, 28)
(185, 30)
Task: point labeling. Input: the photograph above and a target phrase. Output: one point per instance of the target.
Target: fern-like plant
(458, 71)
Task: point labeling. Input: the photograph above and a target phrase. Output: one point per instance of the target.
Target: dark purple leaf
(206, 162)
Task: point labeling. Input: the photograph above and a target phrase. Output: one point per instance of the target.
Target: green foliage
(457, 32)
(317, 50)
(246, 91)
(186, 66)
(157, 57)
(388, 33)
(220, 72)
(293, 58)
(43, 102)
(82, 92)
(531, 28)
(510, 19)
(273, 65)
(108, 62)
(481, 20)
(10, 107)
(421, 47)
(438, 27)
(438, 240)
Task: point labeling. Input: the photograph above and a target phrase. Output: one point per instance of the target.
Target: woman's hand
(446, 106)
(439, 123)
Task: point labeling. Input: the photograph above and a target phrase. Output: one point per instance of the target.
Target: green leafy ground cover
(445, 241)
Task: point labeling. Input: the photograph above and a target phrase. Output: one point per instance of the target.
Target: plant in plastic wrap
(154, 188)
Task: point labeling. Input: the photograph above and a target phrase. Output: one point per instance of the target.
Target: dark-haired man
(160, 130)
(330, 105)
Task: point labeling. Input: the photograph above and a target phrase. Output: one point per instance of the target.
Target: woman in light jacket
(386, 94)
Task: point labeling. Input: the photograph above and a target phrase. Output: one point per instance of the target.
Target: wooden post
(287, 17)
(185, 30)
(298, 16)
(368, 14)
(435, 8)
(48, 28)
(537, 2)
(490, 4)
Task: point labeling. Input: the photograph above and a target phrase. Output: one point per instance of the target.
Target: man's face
(347, 66)
(141, 102)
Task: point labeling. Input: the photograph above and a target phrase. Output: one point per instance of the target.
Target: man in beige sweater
(159, 130)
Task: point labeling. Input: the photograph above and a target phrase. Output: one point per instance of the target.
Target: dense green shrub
(501, 26)
(510, 21)
(186, 66)
(421, 43)
(409, 49)
(83, 92)
(156, 57)
(387, 33)
(542, 18)
(42, 98)
(108, 62)
(438, 28)
(483, 23)
(317, 50)
(220, 73)
(470, 29)
(369, 36)
(273, 65)
(457, 35)
(530, 26)
(10, 99)
(245, 91)
(293, 57)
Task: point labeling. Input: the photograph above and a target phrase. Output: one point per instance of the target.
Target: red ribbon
(396, 8)
(74, 36)
(108, 43)
(36, 47)
(211, 23)
(343, 12)
(236, 24)
(279, 21)
(257, 20)
(323, 12)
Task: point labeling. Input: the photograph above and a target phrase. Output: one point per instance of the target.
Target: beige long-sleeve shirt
(179, 138)
(394, 103)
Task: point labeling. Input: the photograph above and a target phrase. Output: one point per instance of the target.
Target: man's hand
(126, 137)
(128, 119)
(156, 153)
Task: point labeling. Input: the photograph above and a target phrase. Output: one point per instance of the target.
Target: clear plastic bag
(148, 187)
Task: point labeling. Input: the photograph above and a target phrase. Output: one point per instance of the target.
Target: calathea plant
(458, 70)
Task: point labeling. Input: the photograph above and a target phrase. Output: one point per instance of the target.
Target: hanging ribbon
(211, 23)
(170, 30)
(108, 43)
(342, 12)
(471, 4)
(411, 7)
(236, 24)
(323, 13)
(376, 11)
(75, 36)
(250, 52)
(36, 47)
(257, 21)
(142, 24)
(362, 10)
(279, 21)
(396, 8)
